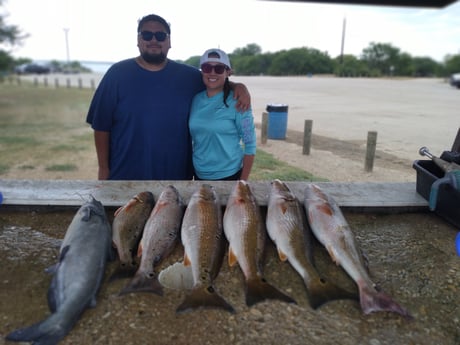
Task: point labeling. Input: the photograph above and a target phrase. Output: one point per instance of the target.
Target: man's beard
(154, 59)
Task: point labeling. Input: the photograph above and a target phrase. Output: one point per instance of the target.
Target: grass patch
(267, 167)
(4, 169)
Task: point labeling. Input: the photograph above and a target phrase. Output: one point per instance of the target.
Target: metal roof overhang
(403, 3)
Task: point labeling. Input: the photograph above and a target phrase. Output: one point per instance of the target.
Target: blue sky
(105, 30)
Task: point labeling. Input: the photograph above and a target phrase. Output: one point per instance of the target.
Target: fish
(77, 276)
(128, 224)
(330, 227)
(159, 238)
(245, 231)
(287, 227)
(204, 248)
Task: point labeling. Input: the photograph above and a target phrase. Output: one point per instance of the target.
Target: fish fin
(47, 331)
(283, 208)
(117, 211)
(177, 277)
(372, 300)
(143, 283)
(258, 290)
(232, 259)
(204, 297)
(330, 250)
(326, 209)
(139, 250)
(321, 291)
(283, 257)
(187, 261)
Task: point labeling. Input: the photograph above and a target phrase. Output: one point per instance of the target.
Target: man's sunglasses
(160, 36)
(218, 69)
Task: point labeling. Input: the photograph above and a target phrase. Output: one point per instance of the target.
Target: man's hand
(241, 94)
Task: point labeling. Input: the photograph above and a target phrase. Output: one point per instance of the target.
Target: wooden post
(45, 81)
(307, 136)
(80, 83)
(370, 151)
(264, 129)
(56, 83)
(92, 84)
(68, 83)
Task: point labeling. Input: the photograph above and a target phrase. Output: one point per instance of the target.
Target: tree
(250, 50)
(381, 58)
(10, 35)
(452, 63)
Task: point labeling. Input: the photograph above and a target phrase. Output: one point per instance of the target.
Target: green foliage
(452, 64)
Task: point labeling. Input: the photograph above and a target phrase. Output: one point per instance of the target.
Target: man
(140, 110)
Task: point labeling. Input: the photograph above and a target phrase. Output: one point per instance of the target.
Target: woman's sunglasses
(160, 36)
(218, 69)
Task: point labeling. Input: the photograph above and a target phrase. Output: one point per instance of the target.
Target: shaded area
(411, 257)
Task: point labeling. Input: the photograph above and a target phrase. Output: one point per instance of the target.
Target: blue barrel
(277, 121)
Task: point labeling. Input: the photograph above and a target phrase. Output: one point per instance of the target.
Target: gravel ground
(411, 257)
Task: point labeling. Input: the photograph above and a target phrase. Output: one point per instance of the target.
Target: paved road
(407, 114)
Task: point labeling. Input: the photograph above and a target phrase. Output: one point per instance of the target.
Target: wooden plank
(117, 193)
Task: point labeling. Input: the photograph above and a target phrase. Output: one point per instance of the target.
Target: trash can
(277, 121)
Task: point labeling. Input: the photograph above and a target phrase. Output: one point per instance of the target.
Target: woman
(223, 139)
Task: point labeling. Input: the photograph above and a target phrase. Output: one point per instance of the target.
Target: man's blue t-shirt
(146, 114)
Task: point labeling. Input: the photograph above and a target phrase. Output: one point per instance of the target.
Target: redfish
(245, 232)
(127, 227)
(204, 245)
(332, 230)
(159, 237)
(287, 227)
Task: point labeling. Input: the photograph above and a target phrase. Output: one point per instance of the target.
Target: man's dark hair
(153, 18)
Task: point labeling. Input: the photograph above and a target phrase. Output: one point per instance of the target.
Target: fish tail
(372, 300)
(204, 297)
(143, 283)
(258, 290)
(322, 291)
(46, 332)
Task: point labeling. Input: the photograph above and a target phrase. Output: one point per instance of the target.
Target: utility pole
(66, 33)
(343, 38)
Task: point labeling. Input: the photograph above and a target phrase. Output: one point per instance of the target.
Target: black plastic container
(448, 204)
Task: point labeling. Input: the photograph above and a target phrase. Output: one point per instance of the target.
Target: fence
(68, 81)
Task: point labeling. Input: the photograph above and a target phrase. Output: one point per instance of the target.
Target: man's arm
(241, 94)
(102, 142)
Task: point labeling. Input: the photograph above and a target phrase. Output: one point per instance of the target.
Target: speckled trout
(203, 240)
(160, 236)
(332, 230)
(245, 232)
(128, 224)
(76, 277)
(288, 229)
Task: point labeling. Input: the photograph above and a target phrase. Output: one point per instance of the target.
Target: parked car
(32, 68)
(455, 80)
